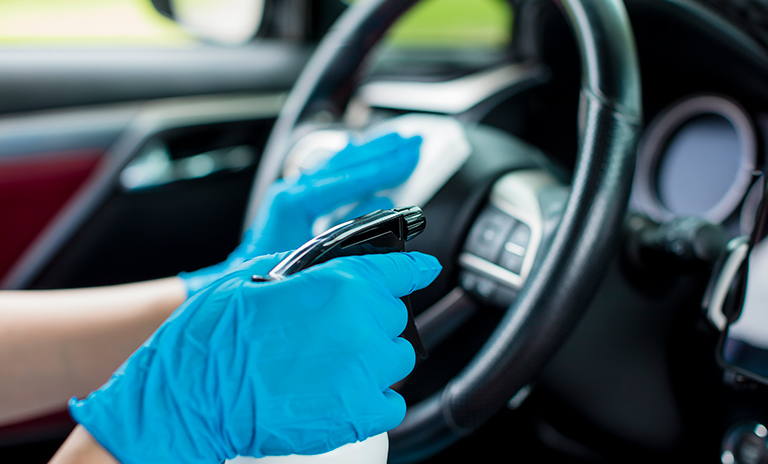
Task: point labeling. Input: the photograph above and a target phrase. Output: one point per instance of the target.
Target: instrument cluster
(700, 157)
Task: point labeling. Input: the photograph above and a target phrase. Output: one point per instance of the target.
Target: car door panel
(33, 189)
(186, 127)
(45, 157)
(65, 109)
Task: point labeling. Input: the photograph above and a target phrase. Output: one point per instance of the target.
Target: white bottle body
(374, 450)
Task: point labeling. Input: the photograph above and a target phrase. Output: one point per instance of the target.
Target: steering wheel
(556, 281)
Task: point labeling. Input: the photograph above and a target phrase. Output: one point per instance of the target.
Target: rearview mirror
(230, 22)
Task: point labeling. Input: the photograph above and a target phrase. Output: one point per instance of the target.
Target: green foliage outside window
(454, 23)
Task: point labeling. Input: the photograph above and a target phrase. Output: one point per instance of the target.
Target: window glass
(230, 22)
(454, 23)
(87, 22)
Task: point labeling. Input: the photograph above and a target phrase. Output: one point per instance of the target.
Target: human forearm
(81, 448)
(62, 343)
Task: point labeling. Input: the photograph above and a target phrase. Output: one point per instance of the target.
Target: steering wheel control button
(489, 233)
(514, 249)
(482, 287)
(520, 236)
(512, 262)
(745, 443)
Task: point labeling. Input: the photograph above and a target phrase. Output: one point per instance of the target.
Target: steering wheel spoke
(444, 318)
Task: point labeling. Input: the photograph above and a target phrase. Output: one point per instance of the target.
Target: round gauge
(696, 159)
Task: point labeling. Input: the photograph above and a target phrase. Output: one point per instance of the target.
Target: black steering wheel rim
(560, 287)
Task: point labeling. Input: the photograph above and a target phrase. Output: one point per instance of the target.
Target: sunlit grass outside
(454, 23)
(87, 23)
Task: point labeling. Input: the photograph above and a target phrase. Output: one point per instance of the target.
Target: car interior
(591, 175)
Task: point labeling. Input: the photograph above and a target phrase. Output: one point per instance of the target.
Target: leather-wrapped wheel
(574, 257)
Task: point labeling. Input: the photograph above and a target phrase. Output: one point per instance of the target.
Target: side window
(478, 24)
(68, 23)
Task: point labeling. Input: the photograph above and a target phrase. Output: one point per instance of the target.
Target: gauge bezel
(657, 137)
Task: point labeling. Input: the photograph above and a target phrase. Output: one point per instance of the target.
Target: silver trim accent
(748, 212)
(519, 398)
(514, 248)
(448, 97)
(153, 166)
(739, 248)
(491, 270)
(190, 111)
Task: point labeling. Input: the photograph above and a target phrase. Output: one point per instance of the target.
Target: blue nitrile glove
(290, 206)
(299, 366)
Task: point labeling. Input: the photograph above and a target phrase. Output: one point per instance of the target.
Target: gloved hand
(290, 206)
(299, 366)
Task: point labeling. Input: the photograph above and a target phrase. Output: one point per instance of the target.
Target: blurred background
(132, 23)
